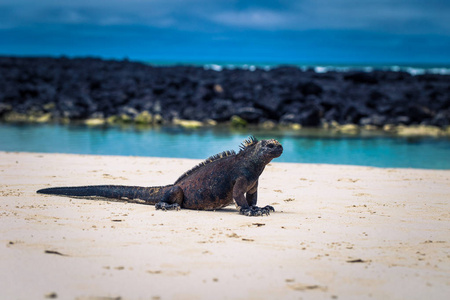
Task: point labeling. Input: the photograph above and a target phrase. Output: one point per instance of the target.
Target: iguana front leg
(247, 205)
(252, 195)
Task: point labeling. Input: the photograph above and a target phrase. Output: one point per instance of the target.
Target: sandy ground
(339, 232)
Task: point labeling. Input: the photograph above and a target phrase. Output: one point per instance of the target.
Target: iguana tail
(138, 194)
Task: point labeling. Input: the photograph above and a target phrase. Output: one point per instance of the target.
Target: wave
(335, 68)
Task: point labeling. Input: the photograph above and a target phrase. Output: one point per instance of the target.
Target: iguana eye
(270, 145)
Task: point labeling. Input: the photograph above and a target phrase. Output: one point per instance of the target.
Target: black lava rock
(81, 88)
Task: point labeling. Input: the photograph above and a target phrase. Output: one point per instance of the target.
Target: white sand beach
(339, 232)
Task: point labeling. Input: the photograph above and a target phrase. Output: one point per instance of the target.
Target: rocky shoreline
(97, 92)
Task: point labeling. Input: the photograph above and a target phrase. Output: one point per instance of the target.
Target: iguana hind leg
(171, 200)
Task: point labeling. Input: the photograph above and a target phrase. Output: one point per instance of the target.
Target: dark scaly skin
(213, 184)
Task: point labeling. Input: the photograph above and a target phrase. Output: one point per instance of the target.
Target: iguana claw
(165, 206)
(255, 211)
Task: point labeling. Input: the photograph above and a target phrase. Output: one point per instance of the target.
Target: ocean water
(299, 147)
(413, 69)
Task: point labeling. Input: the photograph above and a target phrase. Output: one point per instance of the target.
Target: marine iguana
(210, 185)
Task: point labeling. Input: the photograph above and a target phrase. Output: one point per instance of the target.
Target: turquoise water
(379, 151)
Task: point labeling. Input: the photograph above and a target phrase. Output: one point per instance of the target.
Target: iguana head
(262, 151)
(269, 149)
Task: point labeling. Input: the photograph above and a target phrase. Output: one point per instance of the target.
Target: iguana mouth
(277, 150)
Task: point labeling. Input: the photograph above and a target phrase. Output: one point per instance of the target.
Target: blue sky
(302, 31)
